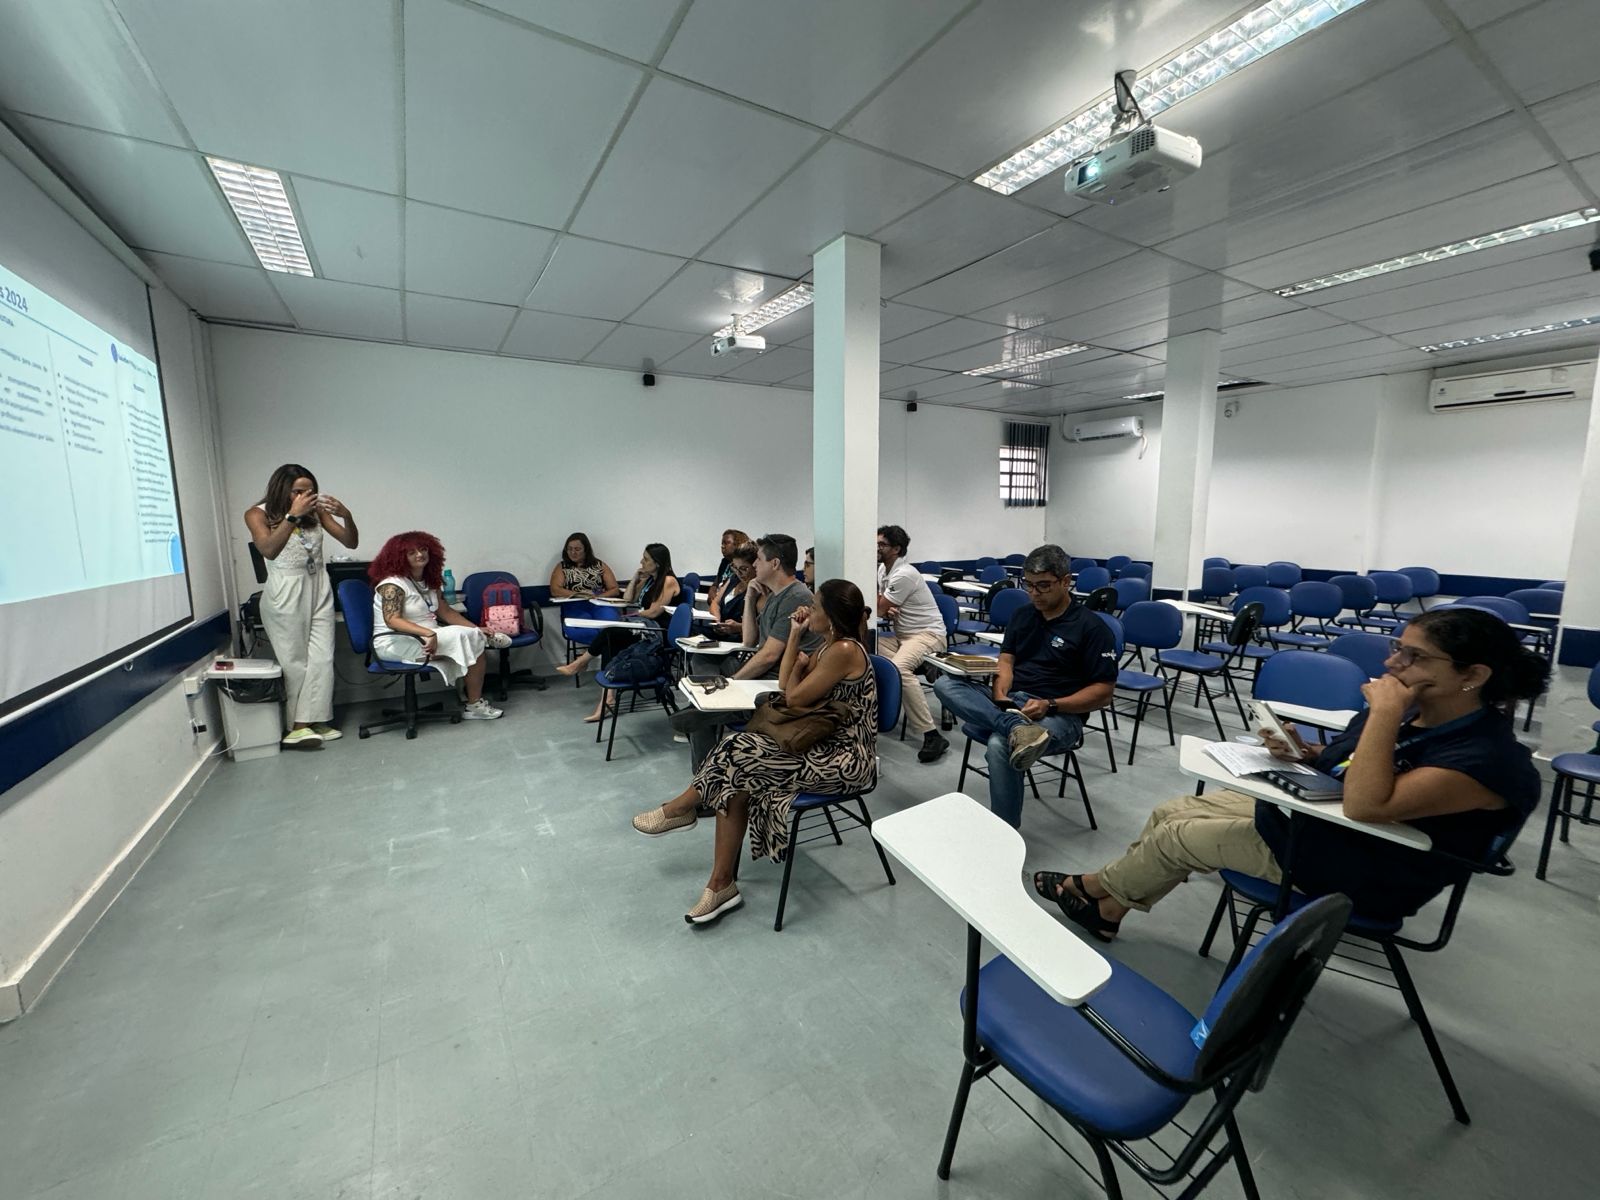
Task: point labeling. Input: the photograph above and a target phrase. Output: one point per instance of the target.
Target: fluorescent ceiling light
(1026, 360)
(262, 208)
(1259, 32)
(1145, 395)
(1529, 331)
(780, 306)
(1487, 241)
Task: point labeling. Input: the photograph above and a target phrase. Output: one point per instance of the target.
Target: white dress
(459, 645)
(297, 610)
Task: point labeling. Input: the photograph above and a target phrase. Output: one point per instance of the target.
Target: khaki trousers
(1187, 834)
(907, 654)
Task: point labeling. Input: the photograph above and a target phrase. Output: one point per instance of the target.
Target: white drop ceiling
(606, 181)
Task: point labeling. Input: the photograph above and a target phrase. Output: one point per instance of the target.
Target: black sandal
(1084, 913)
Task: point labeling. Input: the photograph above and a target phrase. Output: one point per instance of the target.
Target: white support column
(844, 407)
(1183, 477)
(1567, 717)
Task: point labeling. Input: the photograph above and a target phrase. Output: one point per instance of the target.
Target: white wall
(72, 834)
(1357, 475)
(502, 458)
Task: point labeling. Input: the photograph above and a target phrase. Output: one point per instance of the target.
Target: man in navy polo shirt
(1058, 662)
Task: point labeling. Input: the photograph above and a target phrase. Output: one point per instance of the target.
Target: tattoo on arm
(392, 600)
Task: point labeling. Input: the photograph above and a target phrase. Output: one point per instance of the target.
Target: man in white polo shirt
(906, 603)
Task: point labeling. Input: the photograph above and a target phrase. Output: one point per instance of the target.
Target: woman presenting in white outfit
(410, 624)
(297, 602)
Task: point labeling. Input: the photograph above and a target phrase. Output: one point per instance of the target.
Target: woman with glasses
(1435, 749)
(727, 599)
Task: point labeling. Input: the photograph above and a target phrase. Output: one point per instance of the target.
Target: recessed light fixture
(1487, 241)
(1027, 360)
(1227, 385)
(262, 209)
(1528, 331)
(1259, 32)
(780, 306)
(1145, 395)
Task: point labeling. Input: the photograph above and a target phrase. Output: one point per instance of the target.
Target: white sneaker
(302, 739)
(481, 710)
(498, 640)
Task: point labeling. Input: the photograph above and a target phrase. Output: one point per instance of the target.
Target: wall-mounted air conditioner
(1558, 381)
(1096, 431)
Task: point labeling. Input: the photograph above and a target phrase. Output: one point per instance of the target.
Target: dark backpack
(644, 660)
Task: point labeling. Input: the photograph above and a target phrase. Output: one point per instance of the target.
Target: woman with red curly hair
(411, 625)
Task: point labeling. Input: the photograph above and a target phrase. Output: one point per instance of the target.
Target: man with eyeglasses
(913, 614)
(1058, 662)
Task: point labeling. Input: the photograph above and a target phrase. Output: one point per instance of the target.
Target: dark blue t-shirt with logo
(1059, 657)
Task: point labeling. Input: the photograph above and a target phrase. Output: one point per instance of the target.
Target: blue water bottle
(449, 587)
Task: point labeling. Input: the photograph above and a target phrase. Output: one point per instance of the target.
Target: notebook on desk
(1257, 762)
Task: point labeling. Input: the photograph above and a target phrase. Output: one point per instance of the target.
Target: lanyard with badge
(309, 548)
(1339, 769)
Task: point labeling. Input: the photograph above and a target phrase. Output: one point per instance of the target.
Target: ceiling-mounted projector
(738, 343)
(1135, 158)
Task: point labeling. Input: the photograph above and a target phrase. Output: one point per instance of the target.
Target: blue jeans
(973, 704)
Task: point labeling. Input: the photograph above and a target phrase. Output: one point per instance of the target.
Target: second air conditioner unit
(1526, 385)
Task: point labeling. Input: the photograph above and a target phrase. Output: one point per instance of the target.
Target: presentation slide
(93, 567)
(85, 473)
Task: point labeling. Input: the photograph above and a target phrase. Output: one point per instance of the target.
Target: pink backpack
(501, 606)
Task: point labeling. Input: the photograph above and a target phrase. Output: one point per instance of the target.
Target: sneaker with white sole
(302, 739)
(713, 904)
(498, 640)
(327, 733)
(1028, 742)
(481, 710)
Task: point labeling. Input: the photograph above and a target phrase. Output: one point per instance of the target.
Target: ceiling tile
(816, 60)
(596, 279)
(310, 87)
(632, 345)
(633, 28)
(686, 164)
(51, 47)
(1319, 339)
(1577, 294)
(1473, 13)
(794, 329)
(1573, 121)
(1066, 249)
(456, 324)
(1012, 69)
(1356, 351)
(503, 120)
(842, 188)
(222, 291)
(157, 197)
(1545, 50)
(451, 253)
(347, 309)
(897, 379)
(1301, 320)
(554, 336)
(776, 365)
(353, 235)
(1523, 198)
(940, 339)
(704, 297)
(965, 224)
(1092, 286)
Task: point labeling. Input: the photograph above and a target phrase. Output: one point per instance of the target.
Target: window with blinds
(1025, 465)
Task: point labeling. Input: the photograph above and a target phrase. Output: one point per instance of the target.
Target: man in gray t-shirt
(770, 602)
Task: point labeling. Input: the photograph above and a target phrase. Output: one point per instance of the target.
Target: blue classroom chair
(1283, 574)
(1216, 666)
(1135, 570)
(1570, 770)
(677, 627)
(1310, 601)
(1091, 578)
(1117, 563)
(1216, 583)
(1425, 584)
(532, 634)
(1360, 598)
(1369, 651)
(1121, 1066)
(1148, 625)
(1249, 577)
(355, 599)
(1130, 590)
(1312, 679)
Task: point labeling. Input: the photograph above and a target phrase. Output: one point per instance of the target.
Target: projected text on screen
(85, 476)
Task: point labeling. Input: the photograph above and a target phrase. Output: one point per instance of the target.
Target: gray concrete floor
(448, 968)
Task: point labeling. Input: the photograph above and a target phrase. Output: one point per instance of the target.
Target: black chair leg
(1216, 921)
(616, 717)
(1241, 941)
(1241, 1160)
(1200, 686)
(1108, 1169)
(1233, 691)
(966, 755)
(963, 1090)
(832, 825)
(1558, 790)
(866, 820)
(1402, 976)
(1138, 720)
(1105, 728)
(788, 866)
